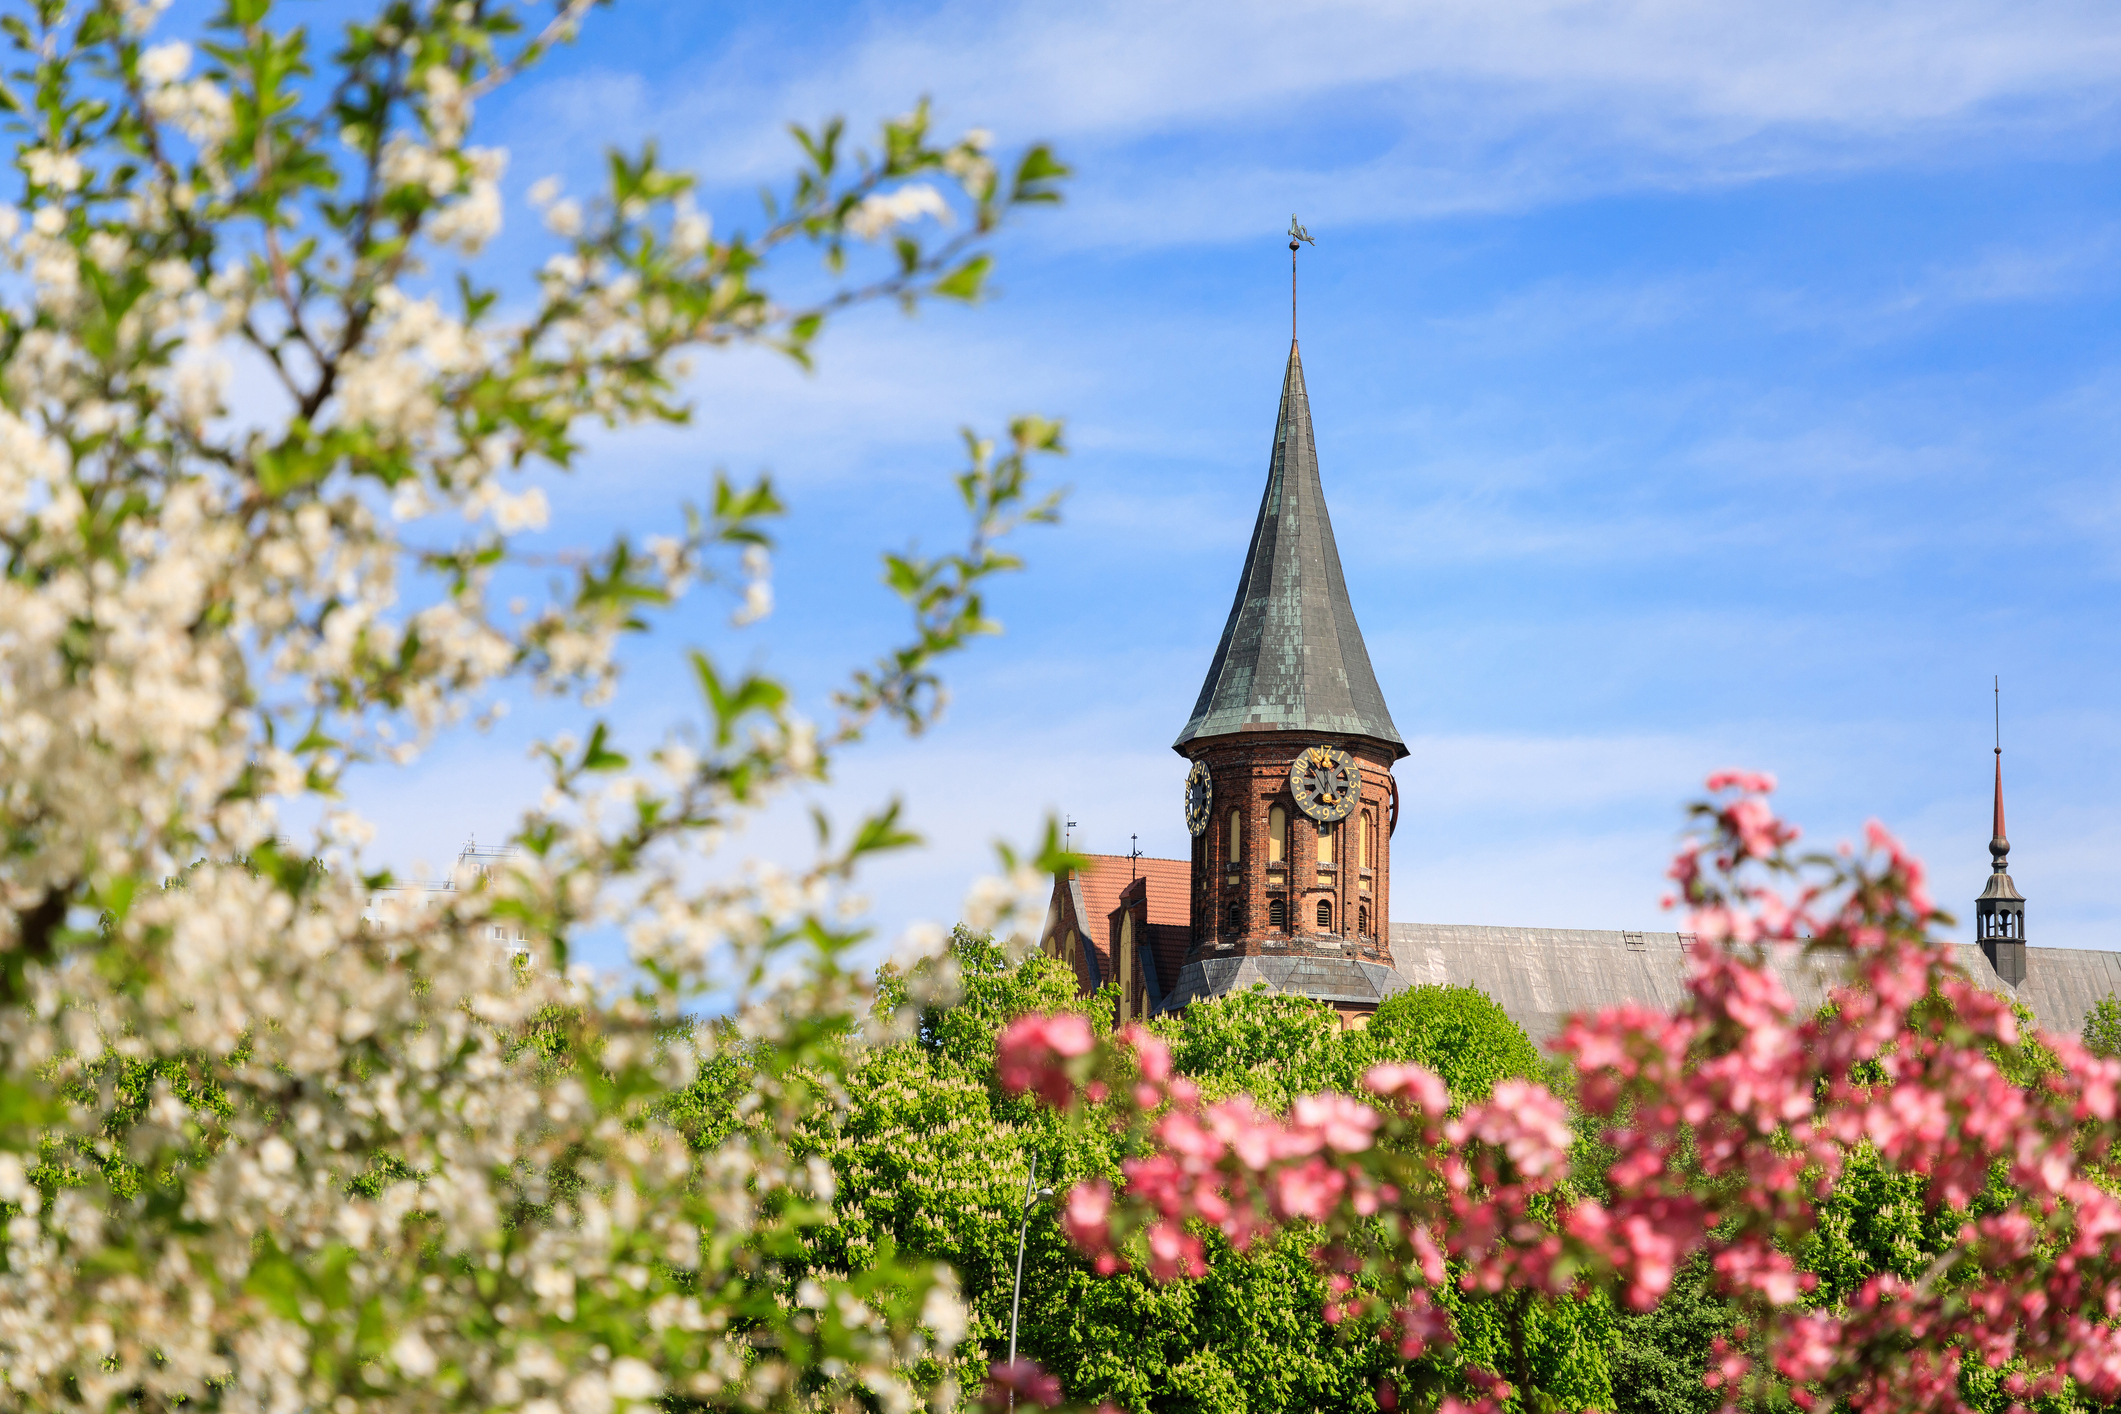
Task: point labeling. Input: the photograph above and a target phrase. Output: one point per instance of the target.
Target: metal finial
(1297, 236)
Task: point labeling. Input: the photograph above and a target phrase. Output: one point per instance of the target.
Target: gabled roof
(1291, 657)
(1099, 885)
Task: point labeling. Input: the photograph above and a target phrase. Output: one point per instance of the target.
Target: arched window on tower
(1365, 844)
(1325, 844)
(1277, 913)
(1362, 925)
(1237, 837)
(1325, 915)
(1235, 916)
(1277, 835)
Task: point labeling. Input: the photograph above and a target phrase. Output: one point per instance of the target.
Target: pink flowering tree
(1728, 1122)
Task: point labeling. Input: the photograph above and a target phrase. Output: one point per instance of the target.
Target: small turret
(1999, 914)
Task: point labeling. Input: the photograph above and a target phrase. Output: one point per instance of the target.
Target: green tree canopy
(932, 1158)
(1461, 1033)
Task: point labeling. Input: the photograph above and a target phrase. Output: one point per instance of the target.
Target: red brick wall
(1251, 774)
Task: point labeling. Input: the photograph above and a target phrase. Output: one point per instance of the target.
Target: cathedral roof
(1104, 877)
(1291, 657)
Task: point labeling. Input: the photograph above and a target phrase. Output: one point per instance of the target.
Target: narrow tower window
(1237, 837)
(1365, 852)
(1236, 917)
(1325, 844)
(1126, 965)
(1277, 835)
(1325, 915)
(1362, 916)
(1277, 913)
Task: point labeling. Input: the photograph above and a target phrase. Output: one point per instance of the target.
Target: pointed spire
(1999, 845)
(1999, 912)
(1291, 656)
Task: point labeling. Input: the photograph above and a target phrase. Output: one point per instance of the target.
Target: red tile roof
(1170, 917)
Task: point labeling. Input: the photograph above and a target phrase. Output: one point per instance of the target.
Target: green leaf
(965, 282)
(598, 756)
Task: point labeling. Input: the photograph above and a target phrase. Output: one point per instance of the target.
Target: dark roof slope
(1291, 657)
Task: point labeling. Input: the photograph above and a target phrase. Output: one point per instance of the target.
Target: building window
(1325, 915)
(1126, 967)
(1362, 916)
(1277, 913)
(1325, 844)
(1365, 850)
(1235, 918)
(1074, 949)
(1237, 837)
(1277, 835)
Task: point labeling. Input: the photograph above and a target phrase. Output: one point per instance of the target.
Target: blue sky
(1695, 385)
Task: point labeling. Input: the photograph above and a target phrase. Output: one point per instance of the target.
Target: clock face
(1200, 793)
(1326, 783)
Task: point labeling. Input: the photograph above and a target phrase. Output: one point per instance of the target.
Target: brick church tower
(1290, 800)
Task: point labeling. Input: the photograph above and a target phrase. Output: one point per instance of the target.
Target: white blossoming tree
(258, 1150)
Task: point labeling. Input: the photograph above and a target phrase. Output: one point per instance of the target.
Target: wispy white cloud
(1451, 105)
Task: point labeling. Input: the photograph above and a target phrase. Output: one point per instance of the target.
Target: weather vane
(1297, 235)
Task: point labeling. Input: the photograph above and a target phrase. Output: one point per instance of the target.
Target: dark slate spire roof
(1291, 657)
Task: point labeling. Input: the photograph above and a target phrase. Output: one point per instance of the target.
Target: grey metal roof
(1542, 976)
(1325, 979)
(1291, 657)
(2000, 886)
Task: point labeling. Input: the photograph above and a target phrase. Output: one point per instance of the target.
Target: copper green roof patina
(1291, 657)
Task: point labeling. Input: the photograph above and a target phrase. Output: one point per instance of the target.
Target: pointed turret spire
(1291, 656)
(1999, 845)
(1999, 914)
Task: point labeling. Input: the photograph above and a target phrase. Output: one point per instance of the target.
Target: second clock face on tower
(1326, 783)
(1200, 793)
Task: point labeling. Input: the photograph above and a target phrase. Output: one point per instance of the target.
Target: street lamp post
(1032, 1193)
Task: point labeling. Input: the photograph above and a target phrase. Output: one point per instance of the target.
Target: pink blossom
(1086, 1215)
(1764, 1269)
(1417, 1085)
(1308, 1191)
(1526, 1121)
(1422, 1325)
(1031, 1386)
(1174, 1252)
(1151, 1056)
(1256, 1138)
(1764, 1098)
(1759, 832)
(1030, 1051)
(1341, 1122)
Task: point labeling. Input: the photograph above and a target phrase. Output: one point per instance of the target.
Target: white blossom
(879, 212)
(564, 217)
(204, 628)
(164, 64)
